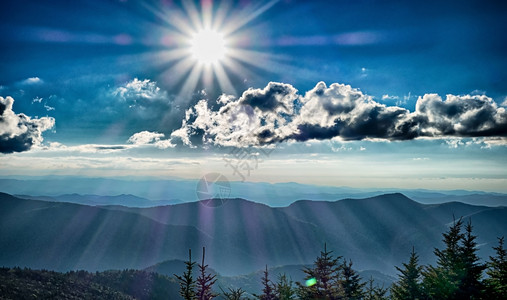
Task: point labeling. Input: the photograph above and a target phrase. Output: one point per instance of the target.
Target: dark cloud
(19, 132)
(277, 113)
(274, 96)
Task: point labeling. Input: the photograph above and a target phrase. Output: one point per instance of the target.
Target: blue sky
(365, 93)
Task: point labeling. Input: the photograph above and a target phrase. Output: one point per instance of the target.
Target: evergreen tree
(350, 283)
(284, 288)
(471, 286)
(268, 290)
(443, 281)
(324, 278)
(409, 283)
(375, 292)
(496, 284)
(187, 282)
(205, 281)
(233, 294)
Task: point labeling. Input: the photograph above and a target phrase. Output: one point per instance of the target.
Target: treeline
(457, 274)
(17, 283)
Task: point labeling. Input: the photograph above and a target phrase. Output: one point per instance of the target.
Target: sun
(208, 46)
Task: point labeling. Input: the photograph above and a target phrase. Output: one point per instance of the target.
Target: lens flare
(311, 281)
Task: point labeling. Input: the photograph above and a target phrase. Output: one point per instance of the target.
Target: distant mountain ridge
(94, 200)
(240, 236)
(272, 194)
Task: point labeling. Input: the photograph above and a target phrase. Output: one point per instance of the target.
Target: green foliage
(471, 283)
(375, 292)
(409, 283)
(350, 284)
(496, 284)
(233, 294)
(187, 282)
(331, 280)
(284, 288)
(442, 281)
(326, 272)
(458, 272)
(25, 283)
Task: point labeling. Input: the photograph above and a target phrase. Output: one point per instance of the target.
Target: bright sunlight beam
(208, 46)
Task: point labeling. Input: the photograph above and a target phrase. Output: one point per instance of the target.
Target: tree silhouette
(442, 281)
(268, 289)
(205, 281)
(471, 285)
(351, 285)
(496, 284)
(375, 292)
(409, 282)
(233, 294)
(187, 282)
(323, 278)
(284, 289)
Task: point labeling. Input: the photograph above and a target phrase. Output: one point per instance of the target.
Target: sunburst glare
(208, 46)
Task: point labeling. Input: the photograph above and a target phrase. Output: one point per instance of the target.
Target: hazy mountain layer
(240, 236)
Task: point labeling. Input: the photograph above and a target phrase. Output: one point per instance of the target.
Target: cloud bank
(277, 113)
(19, 132)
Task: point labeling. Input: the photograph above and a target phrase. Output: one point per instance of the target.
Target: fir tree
(324, 276)
(233, 294)
(205, 281)
(375, 292)
(284, 288)
(409, 283)
(268, 290)
(443, 281)
(496, 284)
(471, 286)
(187, 282)
(350, 284)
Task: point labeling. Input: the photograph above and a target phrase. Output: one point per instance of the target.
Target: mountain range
(154, 192)
(240, 236)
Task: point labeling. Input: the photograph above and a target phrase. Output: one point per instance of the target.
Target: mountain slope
(266, 235)
(389, 225)
(240, 236)
(62, 236)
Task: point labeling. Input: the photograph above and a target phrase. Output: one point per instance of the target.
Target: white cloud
(32, 81)
(137, 91)
(48, 108)
(150, 138)
(278, 113)
(389, 97)
(18, 132)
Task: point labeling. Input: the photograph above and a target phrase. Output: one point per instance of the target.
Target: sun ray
(207, 46)
(207, 13)
(207, 75)
(193, 14)
(171, 55)
(223, 80)
(220, 15)
(242, 19)
(237, 68)
(191, 82)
